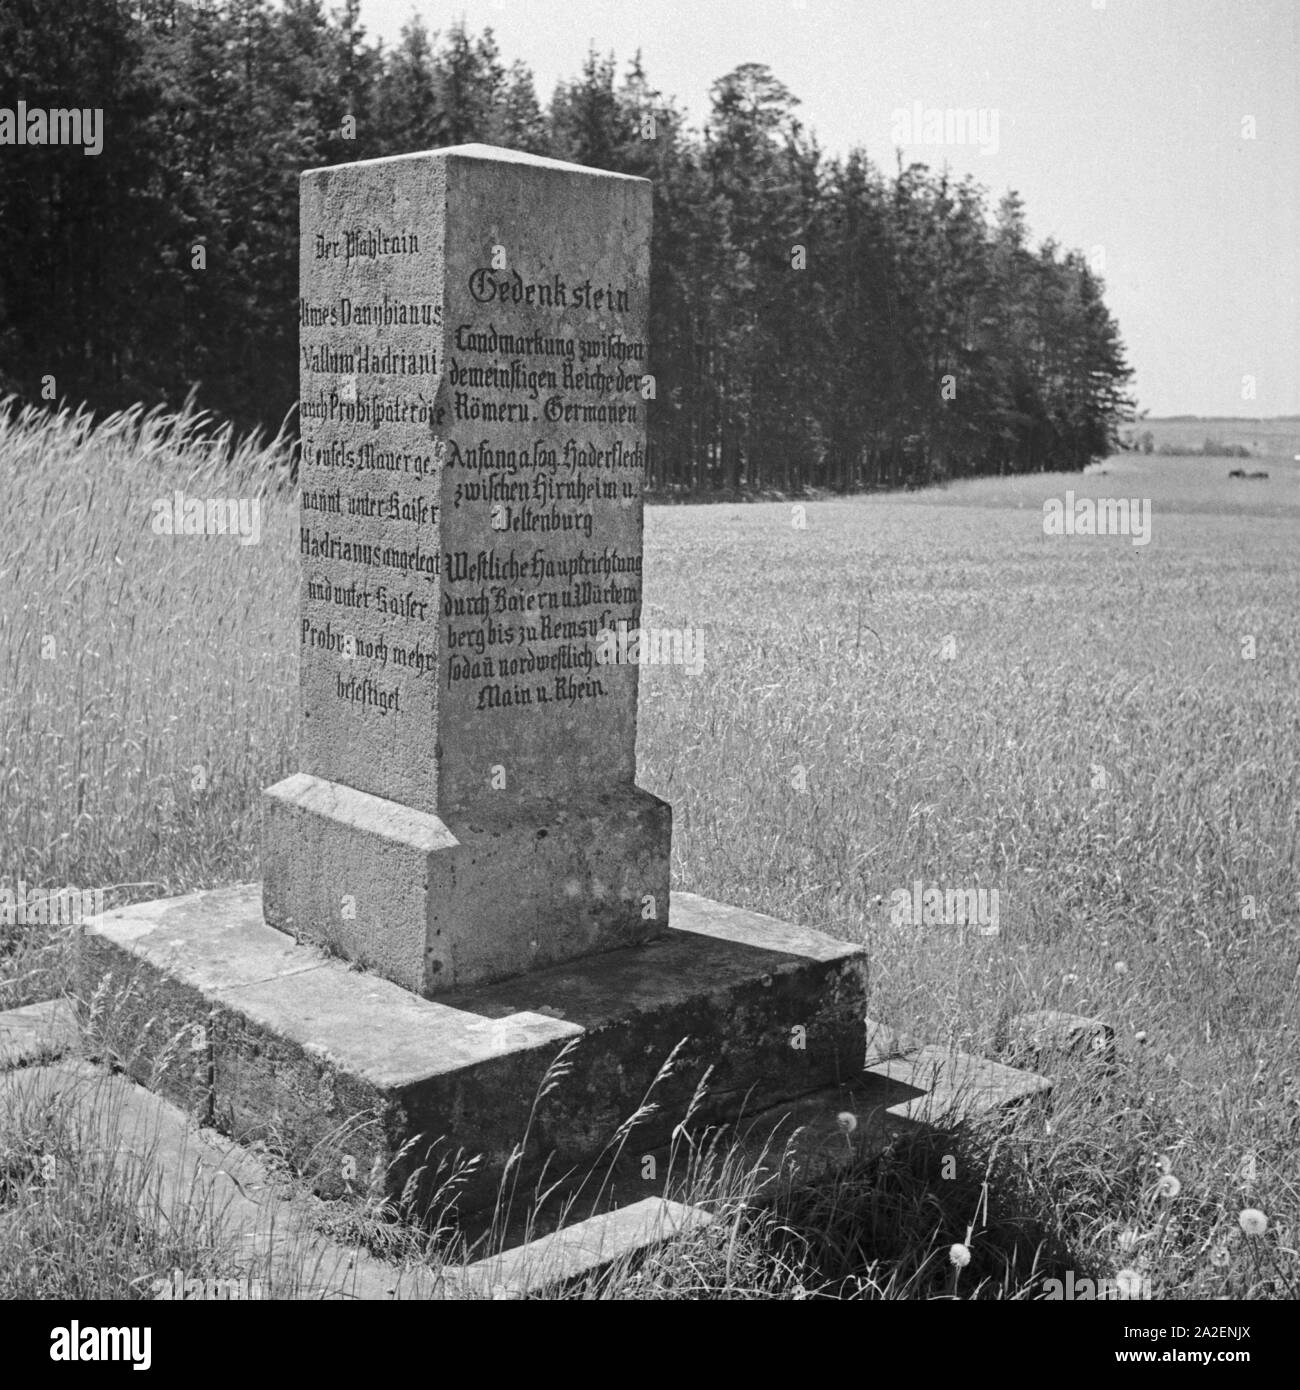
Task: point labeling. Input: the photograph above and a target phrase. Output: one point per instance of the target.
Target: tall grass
(147, 682)
(1093, 741)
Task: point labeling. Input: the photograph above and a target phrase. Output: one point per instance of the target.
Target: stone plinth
(267, 1038)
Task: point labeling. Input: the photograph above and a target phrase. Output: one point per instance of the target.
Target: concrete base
(269, 1038)
(437, 906)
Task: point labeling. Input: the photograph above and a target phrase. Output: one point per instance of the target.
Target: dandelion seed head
(847, 1121)
(1253, 1221)
(1168, 1186)
(1121, 967)
(1219, 1257)
(959, 1254)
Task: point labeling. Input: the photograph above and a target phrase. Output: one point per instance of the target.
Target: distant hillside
(1278, 437)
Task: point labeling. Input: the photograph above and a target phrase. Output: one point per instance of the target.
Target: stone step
(198, 1169)
(37, 1033)
(279, 1250)
(928, 1087)
(585, 1248)
(924, 1088)
(267, 1038)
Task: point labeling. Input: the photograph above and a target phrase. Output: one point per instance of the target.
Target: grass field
(915, 687)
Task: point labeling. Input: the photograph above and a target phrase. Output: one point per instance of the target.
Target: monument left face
(473, 348)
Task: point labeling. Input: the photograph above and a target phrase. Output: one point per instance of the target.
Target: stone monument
(473, 363)
(464, 878)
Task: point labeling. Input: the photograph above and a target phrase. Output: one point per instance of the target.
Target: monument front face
(473, 351)
(473, 343)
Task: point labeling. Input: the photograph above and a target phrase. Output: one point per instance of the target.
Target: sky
(1159, 137)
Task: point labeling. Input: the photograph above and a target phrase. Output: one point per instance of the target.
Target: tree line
(815, 322)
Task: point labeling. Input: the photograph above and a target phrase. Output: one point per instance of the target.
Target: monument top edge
(493, 154)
